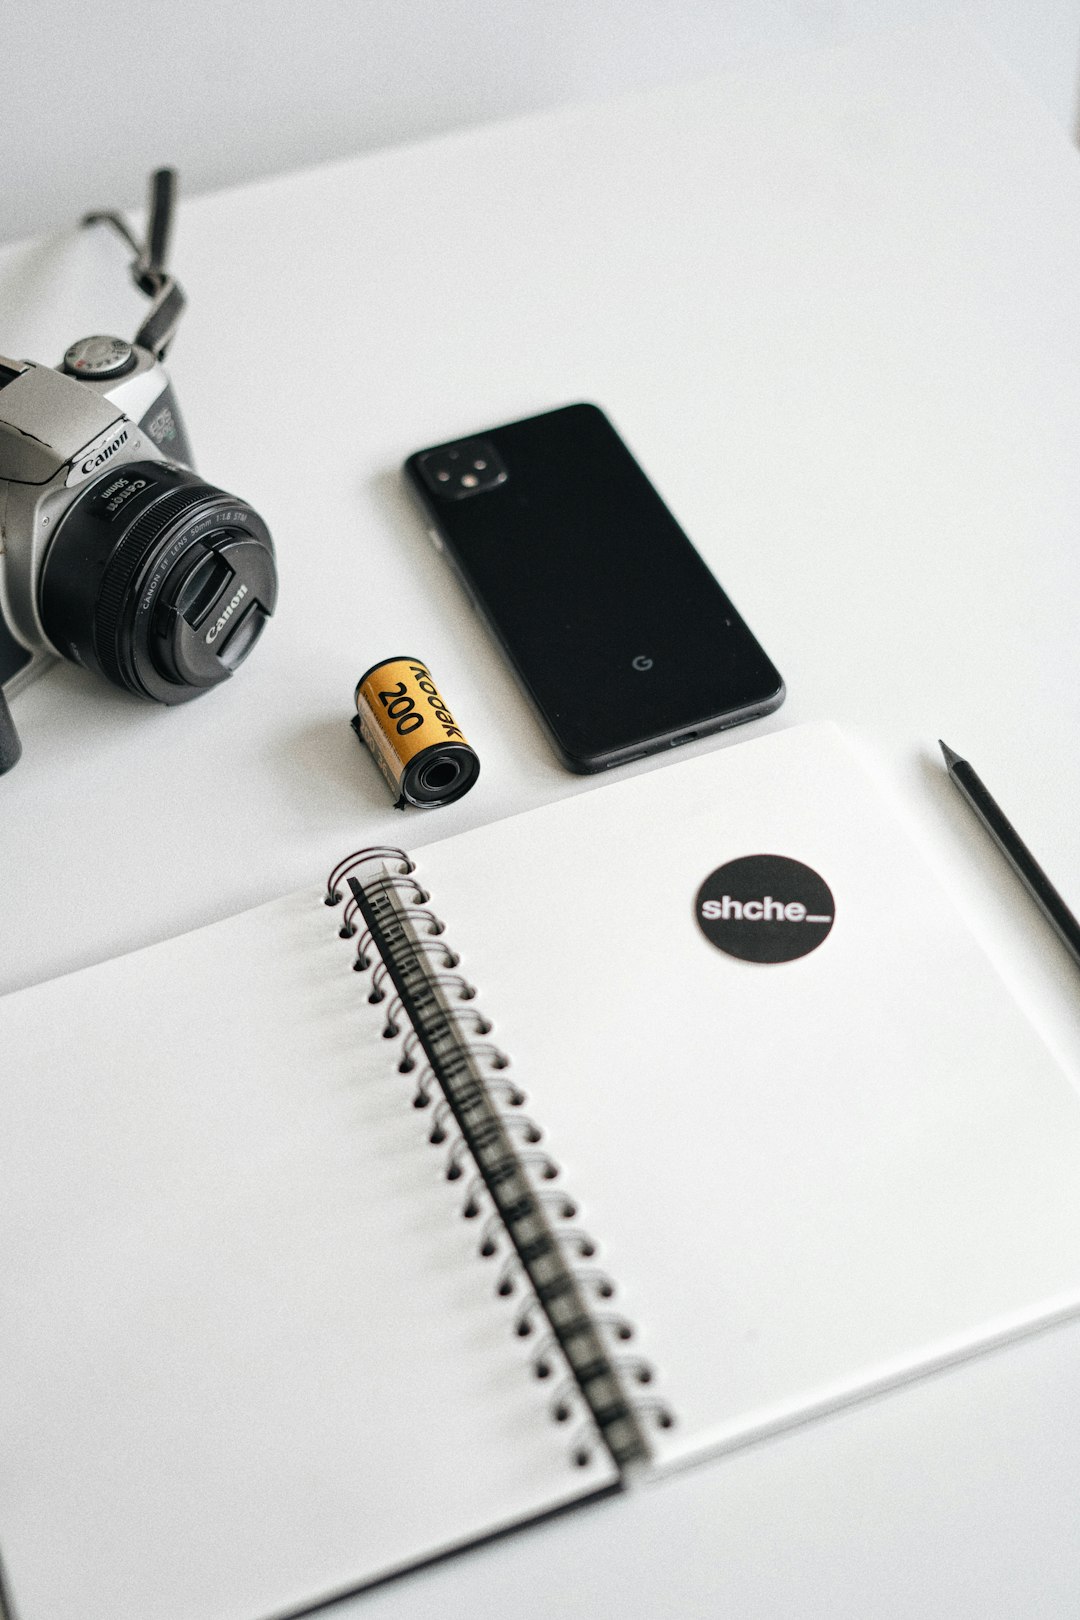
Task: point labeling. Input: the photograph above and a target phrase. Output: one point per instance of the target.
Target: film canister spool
(417, 743)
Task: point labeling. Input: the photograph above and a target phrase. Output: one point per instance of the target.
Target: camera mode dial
(94, 358)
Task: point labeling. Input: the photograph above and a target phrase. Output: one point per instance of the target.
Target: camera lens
(157, 580)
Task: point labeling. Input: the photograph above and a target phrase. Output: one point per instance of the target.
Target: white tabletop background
(229, 93)
(833, 306)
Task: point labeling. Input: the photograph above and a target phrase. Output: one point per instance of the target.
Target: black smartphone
(617, 630)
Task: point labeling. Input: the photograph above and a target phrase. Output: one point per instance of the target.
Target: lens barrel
(157, 580)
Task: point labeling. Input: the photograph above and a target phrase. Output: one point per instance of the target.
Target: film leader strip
(389, 904)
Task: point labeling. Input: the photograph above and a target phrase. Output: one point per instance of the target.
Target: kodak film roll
(417, 743)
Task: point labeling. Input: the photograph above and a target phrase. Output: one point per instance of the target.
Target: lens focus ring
(123, 567)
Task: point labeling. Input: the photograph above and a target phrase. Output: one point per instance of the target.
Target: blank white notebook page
(248, 1353)
(809, 1177)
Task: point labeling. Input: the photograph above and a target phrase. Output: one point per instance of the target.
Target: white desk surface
(835, 309)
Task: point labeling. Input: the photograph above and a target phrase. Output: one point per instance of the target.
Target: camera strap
(148, 265)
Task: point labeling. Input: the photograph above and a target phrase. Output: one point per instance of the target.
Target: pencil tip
(951, 758)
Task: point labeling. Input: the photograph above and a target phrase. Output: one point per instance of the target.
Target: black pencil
(1015, 851)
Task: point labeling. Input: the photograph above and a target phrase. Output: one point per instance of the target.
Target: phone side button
(436, 539)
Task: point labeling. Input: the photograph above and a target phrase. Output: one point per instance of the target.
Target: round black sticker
(765, 908)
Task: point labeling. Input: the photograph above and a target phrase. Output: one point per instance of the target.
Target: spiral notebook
(312, 1274)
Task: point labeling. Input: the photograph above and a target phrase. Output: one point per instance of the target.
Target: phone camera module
(457, 471)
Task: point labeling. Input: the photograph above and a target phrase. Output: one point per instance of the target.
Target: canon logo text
(105, 454)
(216, 629)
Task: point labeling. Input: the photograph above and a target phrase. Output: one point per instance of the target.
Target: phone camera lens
(458, 471)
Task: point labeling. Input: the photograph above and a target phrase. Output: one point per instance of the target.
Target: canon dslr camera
(113, 552)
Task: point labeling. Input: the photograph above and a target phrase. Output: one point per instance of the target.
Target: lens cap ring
(115, 596)
(212, 607)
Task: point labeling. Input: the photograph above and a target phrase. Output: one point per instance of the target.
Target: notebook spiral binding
(478, 1121)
